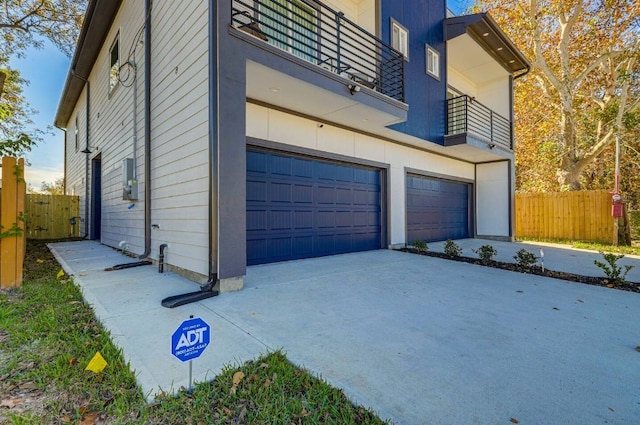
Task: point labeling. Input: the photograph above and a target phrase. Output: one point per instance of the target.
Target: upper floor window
(400, 38)
(77, 135)
(433, 62)
(290, 25)
(114, 63)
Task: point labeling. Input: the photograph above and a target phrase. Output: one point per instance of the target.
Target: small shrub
(420, 245)
(611, 268)
(525, 258)
(486, 253)
(451, 248)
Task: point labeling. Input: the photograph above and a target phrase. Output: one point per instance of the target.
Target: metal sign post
(189, 341)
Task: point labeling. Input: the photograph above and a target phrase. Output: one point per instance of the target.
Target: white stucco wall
(492, 199)
(495, 96)
(272, 125)
(460, 83)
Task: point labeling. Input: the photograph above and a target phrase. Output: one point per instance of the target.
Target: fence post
(12, 222)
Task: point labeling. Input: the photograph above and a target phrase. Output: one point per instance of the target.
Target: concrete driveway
(420, 340)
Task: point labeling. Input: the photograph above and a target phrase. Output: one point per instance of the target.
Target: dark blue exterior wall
(425, 95)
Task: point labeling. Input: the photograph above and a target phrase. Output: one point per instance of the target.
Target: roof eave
(97, 22)
(486, 32)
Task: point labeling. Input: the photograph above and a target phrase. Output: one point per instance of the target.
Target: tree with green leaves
(25, 24)
(583, 90)
(55, 188)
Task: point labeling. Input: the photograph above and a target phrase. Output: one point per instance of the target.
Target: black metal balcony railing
(466, 115)
(323, 36)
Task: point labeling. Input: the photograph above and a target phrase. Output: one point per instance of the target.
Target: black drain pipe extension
(161, 258)
(147, 130)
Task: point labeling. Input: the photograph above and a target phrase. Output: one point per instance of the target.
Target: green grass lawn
(594, 246)
(48, 335)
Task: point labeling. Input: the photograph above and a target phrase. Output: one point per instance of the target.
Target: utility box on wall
(129, 184)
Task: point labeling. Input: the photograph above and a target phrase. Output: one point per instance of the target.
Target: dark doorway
(96, 198)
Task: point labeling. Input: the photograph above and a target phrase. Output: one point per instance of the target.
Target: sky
(46, 70)
(459, 6)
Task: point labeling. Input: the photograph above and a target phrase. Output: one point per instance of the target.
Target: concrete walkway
(420, 340)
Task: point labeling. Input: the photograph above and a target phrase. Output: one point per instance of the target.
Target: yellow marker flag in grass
(97, 363)
(60, 274)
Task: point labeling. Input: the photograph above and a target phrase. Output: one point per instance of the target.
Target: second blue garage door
(298, 207)
(437, 209)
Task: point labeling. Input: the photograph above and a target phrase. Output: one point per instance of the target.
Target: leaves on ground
(237, 379)
(11, 403)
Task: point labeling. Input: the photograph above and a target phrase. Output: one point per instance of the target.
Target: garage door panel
(303, 220)
(437, 209)
(256, 163)
(302, 194)
(256, 220)
(302, 168)
(300, 208)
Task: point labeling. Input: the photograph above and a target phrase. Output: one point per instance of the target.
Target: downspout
(213, 143)
(86, 165)
(207, 290)
(511, 173)
(87, 152)
(64, 175)
(526, 71)
(147, 130)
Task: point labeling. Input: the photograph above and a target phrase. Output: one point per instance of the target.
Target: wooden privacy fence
(52, 216)
(12, 235)
(583, 215)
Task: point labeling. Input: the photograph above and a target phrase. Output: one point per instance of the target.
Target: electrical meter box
(129, 183)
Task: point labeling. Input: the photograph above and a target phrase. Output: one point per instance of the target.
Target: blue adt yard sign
(190, 339)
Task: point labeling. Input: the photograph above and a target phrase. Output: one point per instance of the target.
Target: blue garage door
(437, 209)
(300, 208)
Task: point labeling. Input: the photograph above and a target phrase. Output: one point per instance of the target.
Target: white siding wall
(111, 135)
(75, 172)
(277, 126)
(179, 134)
(492, 199)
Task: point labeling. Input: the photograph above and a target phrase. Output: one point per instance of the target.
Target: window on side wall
(114, 63)
(77, 135)
(400, 38)
(433, 62)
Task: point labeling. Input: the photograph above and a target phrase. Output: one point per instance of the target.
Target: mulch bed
(590, 280)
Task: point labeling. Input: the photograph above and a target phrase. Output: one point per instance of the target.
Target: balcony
(322, 36)
(470, 122)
